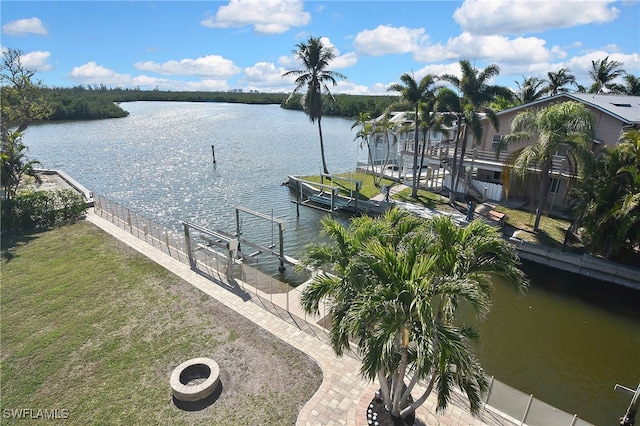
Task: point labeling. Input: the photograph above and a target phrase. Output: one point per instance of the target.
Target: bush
(30, 210)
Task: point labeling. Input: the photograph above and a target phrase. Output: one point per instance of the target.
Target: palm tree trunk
(384, 389)
(424, 146)
(463, 149)
(454, 168)
(414, 190)
(418, 402)
(542, 196)
(324, 162)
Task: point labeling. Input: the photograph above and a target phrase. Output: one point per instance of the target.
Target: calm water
(568, 341)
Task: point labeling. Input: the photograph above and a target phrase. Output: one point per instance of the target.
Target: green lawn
(347, 184)
(90, 326)
(551, 233)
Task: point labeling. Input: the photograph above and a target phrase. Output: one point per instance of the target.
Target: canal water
(568, 341)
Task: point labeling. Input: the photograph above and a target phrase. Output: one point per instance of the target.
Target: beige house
(483, 169)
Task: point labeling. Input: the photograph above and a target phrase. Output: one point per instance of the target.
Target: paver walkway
(343, 396)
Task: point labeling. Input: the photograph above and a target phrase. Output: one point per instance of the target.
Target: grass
(90, 326)
(551, 233)
(426, 199)
(347, 184)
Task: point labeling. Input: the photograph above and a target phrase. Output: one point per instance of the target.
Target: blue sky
(247, 44)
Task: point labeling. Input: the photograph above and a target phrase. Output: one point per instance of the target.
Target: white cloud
(266, 16)
(37, 60)
(264, 74)
(207, 66)
(339, 61)
(92, 73)
(529, 16)
(344, 61)
(385, 40)
(24, 27)
(581, 65)
(492, 48)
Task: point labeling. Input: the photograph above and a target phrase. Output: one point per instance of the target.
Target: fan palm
(568, 126)
(396, 284)
(315, 57)
(414, 93)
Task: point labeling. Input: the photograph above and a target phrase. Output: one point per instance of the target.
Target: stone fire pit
(195, 379)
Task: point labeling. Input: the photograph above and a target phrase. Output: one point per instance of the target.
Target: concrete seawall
(582, 264)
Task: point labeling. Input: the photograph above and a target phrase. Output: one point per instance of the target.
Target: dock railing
(282, 300)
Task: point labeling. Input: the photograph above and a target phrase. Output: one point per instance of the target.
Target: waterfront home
(483, 167)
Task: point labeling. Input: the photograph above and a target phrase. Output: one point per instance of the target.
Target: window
(497, 176)
(495, 142)
(555, 186)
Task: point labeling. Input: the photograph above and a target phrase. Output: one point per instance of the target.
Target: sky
(249, 44)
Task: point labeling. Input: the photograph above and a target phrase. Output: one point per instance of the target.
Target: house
(613, 114)
(392, 149)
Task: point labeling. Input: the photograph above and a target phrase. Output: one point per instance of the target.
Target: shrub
(31, 210)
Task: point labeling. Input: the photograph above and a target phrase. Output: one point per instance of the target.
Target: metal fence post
(526, 411)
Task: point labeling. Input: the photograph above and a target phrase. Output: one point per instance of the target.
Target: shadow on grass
(199, 405)
(11, 242)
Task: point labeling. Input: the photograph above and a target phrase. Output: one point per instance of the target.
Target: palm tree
(315, 57)
(603, 73)
(608, 200)
(475, 97)
(630, 87)
(567, 126)
(364, 134)
(384, 131)
(431, 121)
(414, 93)
(397, 283)
(556, 81)
(15, 164)
(530, 90)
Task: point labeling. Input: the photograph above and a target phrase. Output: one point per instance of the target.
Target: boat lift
(281, 228)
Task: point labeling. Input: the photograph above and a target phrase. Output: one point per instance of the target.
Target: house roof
(624, 108)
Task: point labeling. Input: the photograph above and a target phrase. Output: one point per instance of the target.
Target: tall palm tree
(556, 81)
(603, 72)
(568, 126)
(530, 90)
(432, 121)
(397, 283)
(364, 134)
(630, 86)
(384, 132)
(315, 57)
(414, 93)
(476, 94)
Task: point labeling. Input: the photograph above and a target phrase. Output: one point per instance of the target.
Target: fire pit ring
(195, 379)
